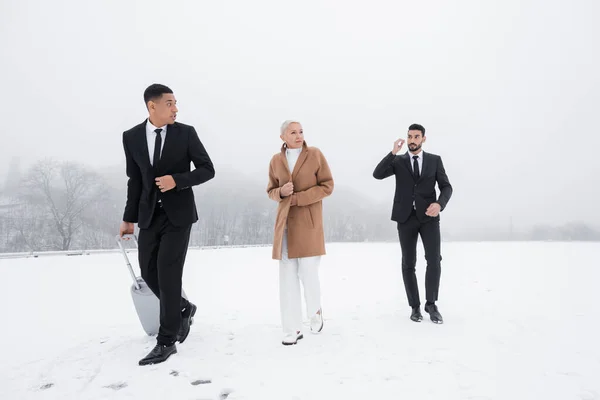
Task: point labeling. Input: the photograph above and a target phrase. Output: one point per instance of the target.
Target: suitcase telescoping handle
(120, 243)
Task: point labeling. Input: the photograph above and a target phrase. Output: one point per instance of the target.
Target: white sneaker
(316, 322)
(291, 338)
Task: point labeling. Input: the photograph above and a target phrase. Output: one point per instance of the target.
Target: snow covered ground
(521, 322)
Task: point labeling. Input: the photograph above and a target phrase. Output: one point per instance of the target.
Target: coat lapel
(169, 146)
(143, 141)
(426, 165)
(284, 159)
(300, 161)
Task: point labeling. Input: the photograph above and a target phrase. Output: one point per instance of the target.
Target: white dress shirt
(151, 136)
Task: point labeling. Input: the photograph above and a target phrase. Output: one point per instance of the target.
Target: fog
(508, 91)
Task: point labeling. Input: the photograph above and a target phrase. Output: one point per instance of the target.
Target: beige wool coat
(312, 183)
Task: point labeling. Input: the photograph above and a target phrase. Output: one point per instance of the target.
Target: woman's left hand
(294, 200)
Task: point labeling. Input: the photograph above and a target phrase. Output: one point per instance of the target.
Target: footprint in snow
(116, 386)
(201, 382)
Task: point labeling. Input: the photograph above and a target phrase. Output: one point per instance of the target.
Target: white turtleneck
(292, 156)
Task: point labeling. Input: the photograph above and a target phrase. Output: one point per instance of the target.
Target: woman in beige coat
(299, 179)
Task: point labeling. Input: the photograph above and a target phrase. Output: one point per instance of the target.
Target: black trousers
(162, 251)
(408, 233)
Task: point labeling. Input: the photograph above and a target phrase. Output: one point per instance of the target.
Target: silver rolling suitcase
(146, 303)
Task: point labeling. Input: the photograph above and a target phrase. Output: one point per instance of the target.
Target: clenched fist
(433, 210)
(287, 189)
(165, 183)
(126, 228)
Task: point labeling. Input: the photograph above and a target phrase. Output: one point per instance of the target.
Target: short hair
(417, 127)
(286, 124)
(155, 91)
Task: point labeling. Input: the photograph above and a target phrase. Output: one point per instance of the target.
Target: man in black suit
(160, 199)
(416, 211)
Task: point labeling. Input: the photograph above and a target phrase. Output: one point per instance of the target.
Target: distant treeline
(68, 206)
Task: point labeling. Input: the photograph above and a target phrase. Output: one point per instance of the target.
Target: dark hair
(155, 91)
(417, 127)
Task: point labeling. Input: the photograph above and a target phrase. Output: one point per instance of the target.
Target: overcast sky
(509, 92)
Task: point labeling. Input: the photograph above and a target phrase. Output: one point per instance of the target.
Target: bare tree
(30, 228)
(65, 190)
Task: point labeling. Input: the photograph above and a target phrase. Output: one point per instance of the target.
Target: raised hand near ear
(397, 146)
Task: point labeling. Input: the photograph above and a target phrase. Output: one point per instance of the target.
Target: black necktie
(416, 167)
(157, 144)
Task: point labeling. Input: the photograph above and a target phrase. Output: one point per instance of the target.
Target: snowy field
(521, 322)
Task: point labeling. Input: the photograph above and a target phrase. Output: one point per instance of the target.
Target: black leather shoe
(416, 314)
(187, 319)
(159, 354)
(434, 314)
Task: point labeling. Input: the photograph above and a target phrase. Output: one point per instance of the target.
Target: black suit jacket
(422, 191)
(182, 146)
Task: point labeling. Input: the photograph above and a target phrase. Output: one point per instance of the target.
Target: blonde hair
(286, 124)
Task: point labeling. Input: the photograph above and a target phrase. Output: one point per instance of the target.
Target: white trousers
(291, 272)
